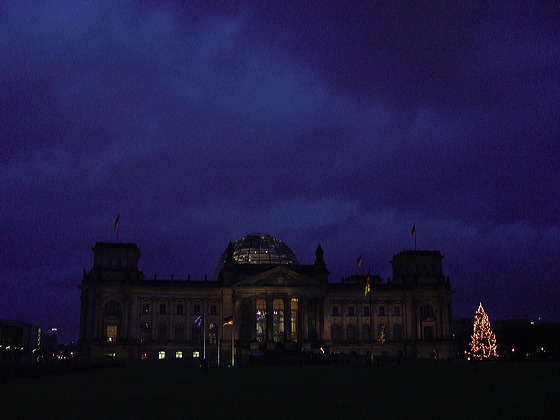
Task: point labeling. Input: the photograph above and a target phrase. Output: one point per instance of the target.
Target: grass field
(396, 391)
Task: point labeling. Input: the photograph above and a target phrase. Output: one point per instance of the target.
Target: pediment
(280, 276)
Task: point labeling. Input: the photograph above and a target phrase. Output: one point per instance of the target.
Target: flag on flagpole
(368, 284)
(116, 226)
(199, 321)
(228, 320)
(359, 260)
(414, 230)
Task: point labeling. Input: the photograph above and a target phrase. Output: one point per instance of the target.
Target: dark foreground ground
(395, 391)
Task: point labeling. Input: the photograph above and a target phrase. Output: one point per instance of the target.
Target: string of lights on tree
(483, 340)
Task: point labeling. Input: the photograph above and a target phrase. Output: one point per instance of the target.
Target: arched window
(335, 334)
(195, 334)
(212, 333)
(381, 333)
(162, 333)
(112, 307)
(351, 333)
(366, 330)
(397, 332)
(145, 332)
(427, 310)
(179, 333)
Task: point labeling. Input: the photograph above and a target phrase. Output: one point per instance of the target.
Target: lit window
(161, 355)
(143, 356)
(111, 333)
(195, 354)
(178, 355)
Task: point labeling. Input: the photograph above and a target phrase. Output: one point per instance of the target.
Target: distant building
(19, 342)
(268, 302)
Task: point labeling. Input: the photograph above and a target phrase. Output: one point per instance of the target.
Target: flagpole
(204, 332)
(233, 332)
(371, 326)
(221, 330)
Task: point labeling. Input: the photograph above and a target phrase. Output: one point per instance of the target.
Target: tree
(483, 340)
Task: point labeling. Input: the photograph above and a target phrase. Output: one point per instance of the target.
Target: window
(212, 334)
(213, 310)
(335, 334)
(350, 311)
(144, 356)
(366, 310)
(162, 333)
(161, 355)
(146, 308)
(162, 308)
(195, 334)
(112, 307)
(351, 333)
(178, 355)
(179, 333)
(366, 330)
(111, 333)
(428, 333)
(382, 311)
(179, 309)
(196, 309)
(144, 332)
(397, 310)
(335, 310)
(427, 310)
(397, 332)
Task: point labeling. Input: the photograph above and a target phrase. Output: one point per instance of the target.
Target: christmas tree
(483, 340)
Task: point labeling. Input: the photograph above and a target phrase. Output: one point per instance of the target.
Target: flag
(116, 226)
(368, 287)
(414, 231)
(228, 320)
(199, 321)
(359, 260)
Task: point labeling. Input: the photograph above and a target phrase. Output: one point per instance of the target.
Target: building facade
(262, 302)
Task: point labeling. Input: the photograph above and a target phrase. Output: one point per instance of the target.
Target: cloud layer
(337, 123)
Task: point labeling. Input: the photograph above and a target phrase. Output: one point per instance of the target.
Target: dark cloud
(336, 123)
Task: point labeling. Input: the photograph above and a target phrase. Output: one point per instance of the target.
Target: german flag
(359, 260)
(228, 320)
(368, 286)
(116, 226)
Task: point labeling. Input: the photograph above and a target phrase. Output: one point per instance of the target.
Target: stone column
(253, 320)
(269, 320)
(305, 320)
(287, 319)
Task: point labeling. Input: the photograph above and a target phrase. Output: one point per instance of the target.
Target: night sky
(339, 123)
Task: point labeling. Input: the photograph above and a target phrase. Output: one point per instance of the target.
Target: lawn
(396, 391)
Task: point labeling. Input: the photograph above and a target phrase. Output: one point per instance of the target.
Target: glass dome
(258, 248)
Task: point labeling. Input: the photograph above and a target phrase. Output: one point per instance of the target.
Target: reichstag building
(262, 302)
